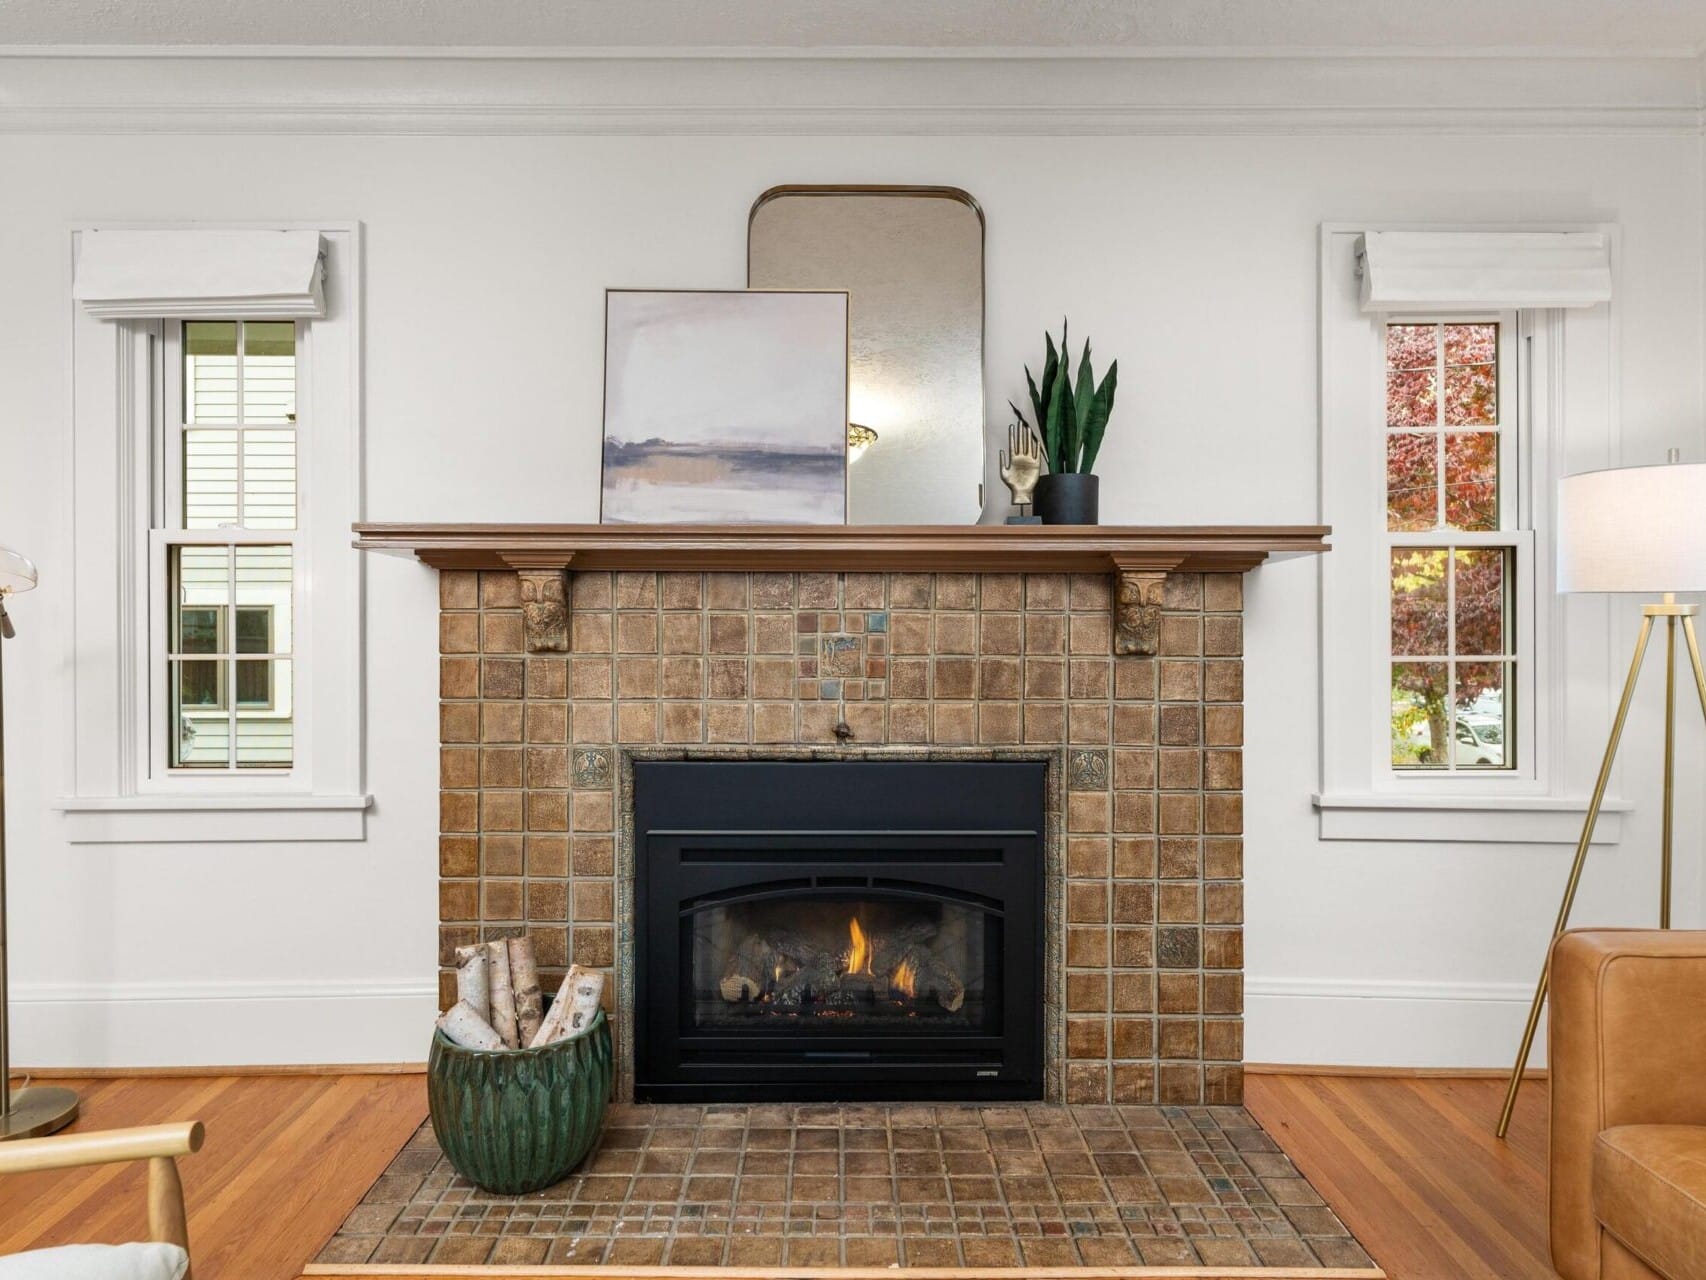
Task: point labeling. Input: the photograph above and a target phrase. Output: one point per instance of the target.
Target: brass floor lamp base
(1672, 613)
(37, 1111)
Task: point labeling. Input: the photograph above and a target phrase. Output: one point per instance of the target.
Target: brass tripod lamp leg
(1668, 827)
(1694, 658)
(1575, 880)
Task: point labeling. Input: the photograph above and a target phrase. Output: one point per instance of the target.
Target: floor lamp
(1640, 530)
(28, 1113)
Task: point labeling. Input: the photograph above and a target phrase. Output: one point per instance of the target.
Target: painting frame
(692, 435)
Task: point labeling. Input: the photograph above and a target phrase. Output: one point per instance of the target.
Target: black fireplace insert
(838, 930)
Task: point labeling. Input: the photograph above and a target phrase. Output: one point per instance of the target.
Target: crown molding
(840, 53)
(392, 92)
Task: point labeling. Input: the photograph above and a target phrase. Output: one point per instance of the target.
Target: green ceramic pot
(518, 1120)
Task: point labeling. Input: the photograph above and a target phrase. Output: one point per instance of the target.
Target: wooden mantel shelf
(1139, 558)
(846, 548)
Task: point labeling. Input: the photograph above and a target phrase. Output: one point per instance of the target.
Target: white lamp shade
(17, 573)
(1639, 529)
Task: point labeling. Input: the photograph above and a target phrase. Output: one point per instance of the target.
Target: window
(217, 686)
(228, 451)
(1452, 544)
(1449, 664)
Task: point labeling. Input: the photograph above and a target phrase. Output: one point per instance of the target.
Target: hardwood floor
(1412, 1167)
(1410, 1164)
(286, 1158)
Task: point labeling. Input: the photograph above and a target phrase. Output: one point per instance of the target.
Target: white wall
(1191, 258)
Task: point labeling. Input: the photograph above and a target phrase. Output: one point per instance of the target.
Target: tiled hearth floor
(808, 1186)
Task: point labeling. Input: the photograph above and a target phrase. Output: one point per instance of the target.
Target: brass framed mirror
(911, 259)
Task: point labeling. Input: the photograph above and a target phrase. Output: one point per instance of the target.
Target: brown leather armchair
(1628, 1068)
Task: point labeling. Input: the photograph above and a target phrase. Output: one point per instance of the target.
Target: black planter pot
(1067, 498)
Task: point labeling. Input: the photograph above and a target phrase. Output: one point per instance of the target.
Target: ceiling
(1136, 26)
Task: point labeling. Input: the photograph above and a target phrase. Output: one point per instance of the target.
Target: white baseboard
(1352, 1022)
(1325, 1021)
(180, 1024)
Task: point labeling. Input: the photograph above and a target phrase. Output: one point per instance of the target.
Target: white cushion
(98, 1262)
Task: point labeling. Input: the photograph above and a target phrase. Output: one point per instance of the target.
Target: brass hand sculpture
(1021, 462)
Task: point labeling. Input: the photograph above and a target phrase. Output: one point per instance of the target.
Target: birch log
(584, 1002)
(587, 991)
(471, 986)
(572, 1008)
(503, 994)
(524, 982)
(558, 1011)
(463, 1025)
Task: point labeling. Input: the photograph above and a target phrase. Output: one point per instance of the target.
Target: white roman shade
(202, 275)
(1436, 271)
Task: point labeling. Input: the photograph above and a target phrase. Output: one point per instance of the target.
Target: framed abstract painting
(725, 407)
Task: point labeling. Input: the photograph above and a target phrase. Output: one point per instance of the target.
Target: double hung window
(1455, 549)
(226, 558)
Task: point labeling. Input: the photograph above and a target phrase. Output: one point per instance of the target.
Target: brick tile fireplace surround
(1144, 950)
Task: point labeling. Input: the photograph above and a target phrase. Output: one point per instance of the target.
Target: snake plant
(1071, 421)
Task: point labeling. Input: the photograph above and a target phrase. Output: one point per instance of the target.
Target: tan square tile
(591, 678)
(682, 590)
(683, 633)
(1223, 592)
(725, 590)
(1045, 678)
(636, 633)
(458, 633)
(998, 723)
(819, 590)
(1089, 633)
(500, 633)
(773, 722)
(728, 678)
(955, 678)
(458, 589)
(683, 722)
(955, 633)
(1087, 857)
(954, 722)
(1086, 992)
(590, 632)
(1134, 856)
(909, 722)
(502, 678)
(547, 811)
(593, 855)
(636, 722)
(458, 678)
(999, 633)
(1044, 722)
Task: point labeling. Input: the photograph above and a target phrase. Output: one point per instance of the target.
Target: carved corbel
(544, 602)
(1138, 592)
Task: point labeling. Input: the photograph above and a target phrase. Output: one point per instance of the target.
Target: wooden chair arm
(110, 1146)
(159, 1144)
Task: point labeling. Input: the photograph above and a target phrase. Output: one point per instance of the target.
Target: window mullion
(241, 418)
(1439, 425)
(229, 659)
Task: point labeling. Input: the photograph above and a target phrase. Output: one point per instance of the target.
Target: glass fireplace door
(844, 964)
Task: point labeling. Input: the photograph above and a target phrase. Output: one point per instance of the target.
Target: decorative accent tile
(1087, 770)
(840, 656)
(592, 768)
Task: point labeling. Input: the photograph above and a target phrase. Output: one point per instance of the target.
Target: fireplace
(838, 929)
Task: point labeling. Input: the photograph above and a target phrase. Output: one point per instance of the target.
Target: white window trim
(1566, 422)
(116, 399)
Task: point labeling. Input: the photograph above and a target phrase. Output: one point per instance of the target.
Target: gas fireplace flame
(859, 957)
(904, 979)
